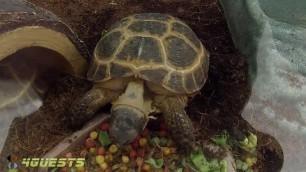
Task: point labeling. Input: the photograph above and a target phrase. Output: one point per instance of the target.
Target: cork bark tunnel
(35, 47)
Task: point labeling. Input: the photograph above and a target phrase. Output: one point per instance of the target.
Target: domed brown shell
(155, 47)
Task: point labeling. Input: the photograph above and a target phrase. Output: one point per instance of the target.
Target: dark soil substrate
(217, 107)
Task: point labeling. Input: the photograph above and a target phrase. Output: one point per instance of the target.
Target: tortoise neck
(134, 97)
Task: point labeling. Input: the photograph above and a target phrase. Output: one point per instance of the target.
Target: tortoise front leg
(177, 120)
(84, 108)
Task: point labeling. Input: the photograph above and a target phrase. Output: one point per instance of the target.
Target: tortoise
(145, 64)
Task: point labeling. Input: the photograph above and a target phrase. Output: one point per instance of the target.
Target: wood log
(35, 47)
(24, 25)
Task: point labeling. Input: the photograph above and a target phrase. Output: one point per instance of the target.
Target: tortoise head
(126, 123)
(129, 114)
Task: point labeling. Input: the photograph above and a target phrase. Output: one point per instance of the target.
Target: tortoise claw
(179, 124)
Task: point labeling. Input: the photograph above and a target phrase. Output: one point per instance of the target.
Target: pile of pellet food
(154, 150)
(150, 151)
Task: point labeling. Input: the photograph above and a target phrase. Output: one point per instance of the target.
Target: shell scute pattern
(155, 47)
(158, 75)
(108, 45)
(175, 82)
(179, 53)
(148, 27)
(153, 16)
(140, 50)
(190, 84)
(117, 70)
(184, 30)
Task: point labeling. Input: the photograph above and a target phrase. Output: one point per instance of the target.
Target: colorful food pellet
(139, 162)
(123, 168)
(249, 162)
(101, 151)
(80, 169)
(109, 158)
(143, 142)
(84, 153)
(108, 169)
(113, 149)
(108, 153)
(163, 141)
(105, 127)
(103, 166)
(93, 151)
(106, 157)
(99, 159)
(141, 152)
(146, 167)
(68, 155)
(125, 159)
(93, 135)
(155, 141)
(133, 154)
(135, 144)
(90, 143)
(166, 151)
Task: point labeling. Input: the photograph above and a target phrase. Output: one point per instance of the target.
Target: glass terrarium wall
(24, 78)
(36, 49)
(273, 38)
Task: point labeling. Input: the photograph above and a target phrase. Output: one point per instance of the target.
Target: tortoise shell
(155, 47)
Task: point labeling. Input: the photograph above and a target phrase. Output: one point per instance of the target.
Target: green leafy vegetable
(203, 165)
(249, 143)
(249, 170)
(156, 163)
(179, 170)
(221, 140)
(155, 141)
(163, 141)
(254, 159)
(188, 164)
(104, 138)
(223, 165)
(252, 139)
(241, 165)
(200, 161)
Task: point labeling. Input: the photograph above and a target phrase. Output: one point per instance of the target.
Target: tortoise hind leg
(178, 122)
(84, 108)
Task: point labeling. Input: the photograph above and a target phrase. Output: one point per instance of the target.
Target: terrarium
(152, 85)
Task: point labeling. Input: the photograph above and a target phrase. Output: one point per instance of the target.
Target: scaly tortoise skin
(155, 62)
